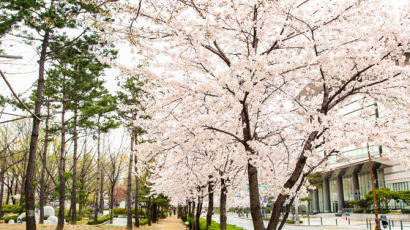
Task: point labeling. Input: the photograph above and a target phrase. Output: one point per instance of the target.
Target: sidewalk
(170, 223)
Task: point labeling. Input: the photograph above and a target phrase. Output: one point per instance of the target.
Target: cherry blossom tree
(273, 78)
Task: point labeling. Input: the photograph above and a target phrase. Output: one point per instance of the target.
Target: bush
(99, 220)
(87, 211)
(405, 211)
(120, 211)
(293, 221)
(68, 218)
(123, 211)
(6, 220)
(8, 208)
(216, 226)
(165, 214)
(144, 222)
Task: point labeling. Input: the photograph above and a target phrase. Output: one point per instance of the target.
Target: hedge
(99, 220)
(8, 208)
(216, 226)
(6, 219)
(123, 211)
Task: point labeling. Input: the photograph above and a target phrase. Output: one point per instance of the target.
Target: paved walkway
(170, 223)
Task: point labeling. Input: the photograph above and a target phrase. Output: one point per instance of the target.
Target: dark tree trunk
(154, 213)
(74, 189)
(129, 183)
(257, 218)
(3, 166)
(8, 190)
(297, 172)
(98, 177)
(29, 188)
(179, 211)
(210, 205)
(111, 203)
(137, 222)
(43, 169)
(222, 205)
(149, 212)
(61, 170)
(102, 192)
(198, 213)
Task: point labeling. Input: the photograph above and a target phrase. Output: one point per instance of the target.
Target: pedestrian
(174, 209)
(170, 212)
(383, 219)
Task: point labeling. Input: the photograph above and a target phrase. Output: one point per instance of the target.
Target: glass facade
(333, 194)
(401, 186)
(348, 188)
(364, 184)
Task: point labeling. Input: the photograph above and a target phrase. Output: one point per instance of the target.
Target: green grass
(216, 226)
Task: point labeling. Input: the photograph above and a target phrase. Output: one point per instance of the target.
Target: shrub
(165, 214)
(99, 220)
(68, 218)
(120, 211)
(123, 211)
(405, 211)
(216, 226)
(6, 220)
(144, 222)
(9, 208)
(293, 221)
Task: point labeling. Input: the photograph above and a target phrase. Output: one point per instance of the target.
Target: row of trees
(250, 95)
(71, 111)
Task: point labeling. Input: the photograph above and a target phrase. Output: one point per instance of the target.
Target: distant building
(349, 179)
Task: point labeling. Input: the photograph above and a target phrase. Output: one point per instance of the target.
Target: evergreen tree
(74, 81)
(43, 22)
(131, 96)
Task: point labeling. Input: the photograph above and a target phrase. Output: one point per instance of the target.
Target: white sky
(23, 73)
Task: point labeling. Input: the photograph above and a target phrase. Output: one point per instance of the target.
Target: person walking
(170, 212)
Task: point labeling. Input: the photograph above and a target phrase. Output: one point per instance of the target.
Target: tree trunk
(257, 218)
(129, 183)
(29, 188)
(111, 204)
(102, 192)
(222, 205)
(74, 189)
(297, 172)
(61, 170)
(3, 166)
(210, 205)
(198, 213)
(149, 214)
(98, 177)
(43, 169)
(137, 223)
(8, 189)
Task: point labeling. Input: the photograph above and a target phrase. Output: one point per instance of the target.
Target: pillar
(326, 193)
(315, 201)
(355, 181)
(340, 197)
(375, 166)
